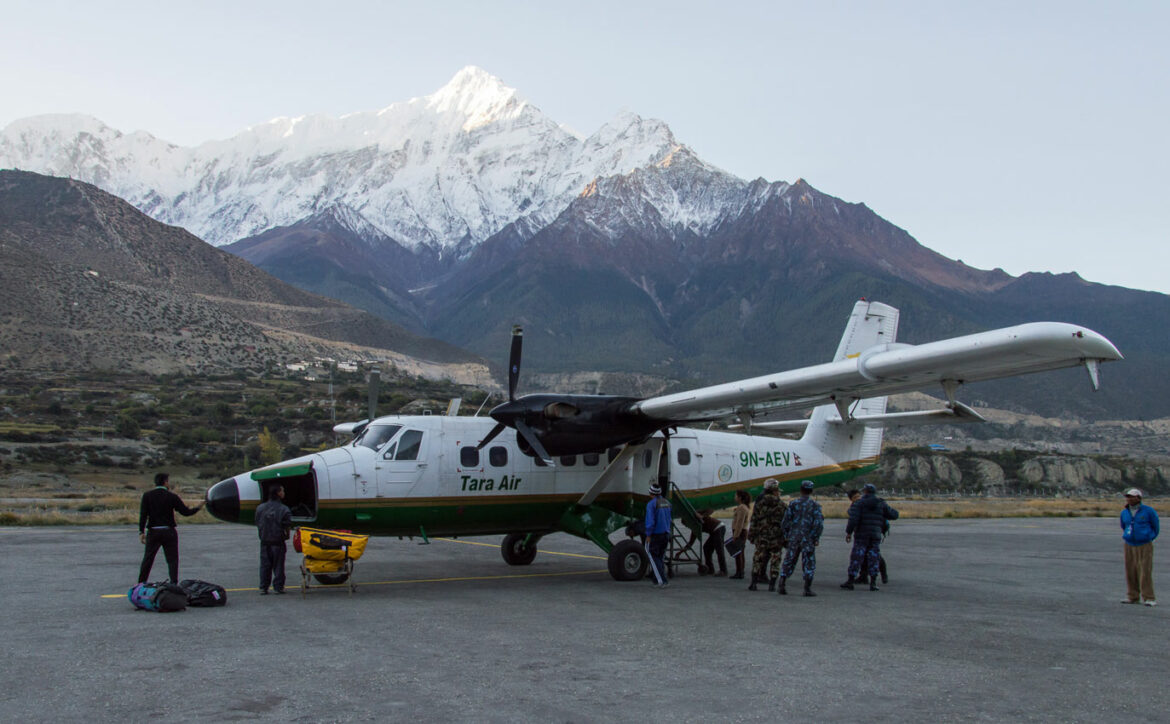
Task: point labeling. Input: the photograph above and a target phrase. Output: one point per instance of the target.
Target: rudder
(871, 324)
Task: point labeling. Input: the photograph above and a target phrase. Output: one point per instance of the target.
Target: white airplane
(450, 476)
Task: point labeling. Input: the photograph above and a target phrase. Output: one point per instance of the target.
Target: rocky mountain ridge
(91, 283)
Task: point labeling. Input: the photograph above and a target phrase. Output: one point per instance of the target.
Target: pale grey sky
(1025, 135)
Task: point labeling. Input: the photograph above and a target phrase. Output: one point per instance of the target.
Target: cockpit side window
(408, 445)
(375, 436)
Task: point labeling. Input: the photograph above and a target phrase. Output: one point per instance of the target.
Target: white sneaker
(1151, 603)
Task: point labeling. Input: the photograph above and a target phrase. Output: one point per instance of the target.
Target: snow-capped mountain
(445, 171)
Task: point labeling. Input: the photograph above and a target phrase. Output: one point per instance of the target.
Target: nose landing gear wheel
(516, 552)
(628, 561)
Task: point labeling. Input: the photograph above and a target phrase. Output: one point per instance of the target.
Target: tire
(331, 579)
(515, 552)
(628, 561)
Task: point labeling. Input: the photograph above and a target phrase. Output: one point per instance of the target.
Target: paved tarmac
(983, 620)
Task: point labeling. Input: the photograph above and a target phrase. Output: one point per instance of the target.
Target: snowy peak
(444, 172)
(478, 96)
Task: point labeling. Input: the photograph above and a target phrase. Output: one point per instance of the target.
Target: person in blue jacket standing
(658, 530)
(1139, 528)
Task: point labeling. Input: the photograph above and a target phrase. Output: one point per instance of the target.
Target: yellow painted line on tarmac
(543, 552)
(345, 586)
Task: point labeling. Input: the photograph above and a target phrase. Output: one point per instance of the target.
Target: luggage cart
(329, 574)
(329, 557)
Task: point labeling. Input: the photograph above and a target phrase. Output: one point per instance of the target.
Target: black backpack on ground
(202, 593)
(170, 597)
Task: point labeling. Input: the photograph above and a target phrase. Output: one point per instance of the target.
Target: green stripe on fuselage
(539, 513)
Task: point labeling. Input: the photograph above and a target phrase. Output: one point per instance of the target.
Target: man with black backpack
(273, 522)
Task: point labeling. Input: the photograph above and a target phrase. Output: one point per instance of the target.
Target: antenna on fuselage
(372, 400)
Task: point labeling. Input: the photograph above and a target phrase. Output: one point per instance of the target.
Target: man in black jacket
(867, 517)
(156, 526)
(273, 522)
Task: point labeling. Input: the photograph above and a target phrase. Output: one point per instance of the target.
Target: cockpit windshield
(375, 436)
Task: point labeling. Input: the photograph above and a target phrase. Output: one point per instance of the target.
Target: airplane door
(403, 463)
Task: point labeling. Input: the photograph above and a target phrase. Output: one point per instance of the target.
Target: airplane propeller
(511, 414)
(565, 424)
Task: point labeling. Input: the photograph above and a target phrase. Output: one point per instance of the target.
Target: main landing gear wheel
(628, 561)
(516, 552)
(331, 579)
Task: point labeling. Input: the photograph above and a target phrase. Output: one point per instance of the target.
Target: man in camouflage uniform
(764, 532)
(802, 527)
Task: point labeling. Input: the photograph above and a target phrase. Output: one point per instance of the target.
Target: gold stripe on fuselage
(522, 499)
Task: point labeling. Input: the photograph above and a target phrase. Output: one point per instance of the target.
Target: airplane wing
(890, 368)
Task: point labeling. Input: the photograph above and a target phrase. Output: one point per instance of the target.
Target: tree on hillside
(127, 426)
(269, 448)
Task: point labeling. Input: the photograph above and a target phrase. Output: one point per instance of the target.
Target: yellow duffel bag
(331, 545)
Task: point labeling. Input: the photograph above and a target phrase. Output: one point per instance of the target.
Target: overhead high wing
(892, 368)
(868, 364)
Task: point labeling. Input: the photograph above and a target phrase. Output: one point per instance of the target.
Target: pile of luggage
(164, 597)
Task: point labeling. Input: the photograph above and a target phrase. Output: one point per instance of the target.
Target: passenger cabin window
(684, 456)
(469, 456)
(568, 460)
(375, 436)
(498, 456)
(408, 445)
(590, 458)
(612, 453)
(647, 458)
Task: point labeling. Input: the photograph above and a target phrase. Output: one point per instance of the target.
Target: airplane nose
(223, 500)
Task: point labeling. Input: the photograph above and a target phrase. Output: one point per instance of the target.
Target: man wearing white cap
(658, 523)
(1139, 528)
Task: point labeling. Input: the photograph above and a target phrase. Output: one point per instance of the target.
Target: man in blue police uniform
(803, 524)
(658, 530)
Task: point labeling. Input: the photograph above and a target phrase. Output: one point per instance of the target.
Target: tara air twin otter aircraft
(450, 475)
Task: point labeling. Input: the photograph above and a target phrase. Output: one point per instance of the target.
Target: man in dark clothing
(714, 529)
(867, 517)
(863, 575)
(273, 521)
(156, 526)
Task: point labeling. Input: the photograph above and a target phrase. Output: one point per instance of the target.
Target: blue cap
(806, 485)
(869, 488)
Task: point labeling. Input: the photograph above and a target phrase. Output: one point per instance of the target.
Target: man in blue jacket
(1139, 528)
(658, 530)
(867, 517)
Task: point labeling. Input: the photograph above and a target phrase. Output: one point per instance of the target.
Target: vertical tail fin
(870, 324)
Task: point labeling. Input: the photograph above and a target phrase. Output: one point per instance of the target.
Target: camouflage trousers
(868, 553)
(808, 564)
(766, 557)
